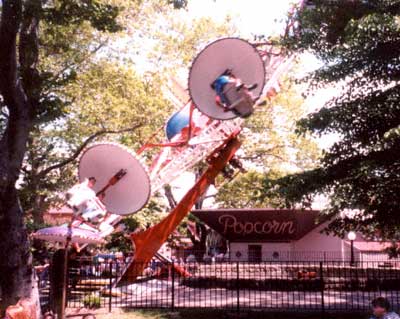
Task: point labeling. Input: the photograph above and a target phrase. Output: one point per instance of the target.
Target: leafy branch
(78, 151)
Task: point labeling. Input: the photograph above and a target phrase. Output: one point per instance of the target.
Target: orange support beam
(148, 242)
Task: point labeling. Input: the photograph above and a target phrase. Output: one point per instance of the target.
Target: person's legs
(223, 98)
(219, 89)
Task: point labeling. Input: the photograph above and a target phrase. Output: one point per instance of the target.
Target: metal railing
(315, 286)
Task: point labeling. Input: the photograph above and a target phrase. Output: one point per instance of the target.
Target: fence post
(173, 287)
(110, 288)
(237, 288)
(322, 285)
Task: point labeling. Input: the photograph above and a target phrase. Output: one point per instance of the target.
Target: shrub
(92, 301)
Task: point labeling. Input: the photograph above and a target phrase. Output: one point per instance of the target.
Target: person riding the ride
(219, 86)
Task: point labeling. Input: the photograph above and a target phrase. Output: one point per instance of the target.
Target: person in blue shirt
(219, 84)
(381, 309)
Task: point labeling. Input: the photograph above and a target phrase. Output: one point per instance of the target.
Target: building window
(255, 253)
(275, 255)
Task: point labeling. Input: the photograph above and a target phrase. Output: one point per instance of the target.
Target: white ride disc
(228, 53)
(103, 161)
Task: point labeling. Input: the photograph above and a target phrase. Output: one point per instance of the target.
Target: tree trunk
(170, 197)
(15, 265)
(16, 88)
(38, 208)
(199, 246)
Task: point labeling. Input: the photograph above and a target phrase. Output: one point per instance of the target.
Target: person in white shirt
(83, 200)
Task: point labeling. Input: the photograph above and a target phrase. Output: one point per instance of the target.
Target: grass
(214, 314)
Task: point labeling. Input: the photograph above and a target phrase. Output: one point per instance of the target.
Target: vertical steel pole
(321, 276)
(110, 289)
(65, 272)
(351, 252)
(237, 288)
(173, 287)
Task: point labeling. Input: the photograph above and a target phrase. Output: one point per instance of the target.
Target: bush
(92, 301)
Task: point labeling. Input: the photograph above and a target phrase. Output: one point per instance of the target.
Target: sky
(251, 16)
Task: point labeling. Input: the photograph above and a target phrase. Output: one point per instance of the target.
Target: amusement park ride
(227, 80)
(116, 181)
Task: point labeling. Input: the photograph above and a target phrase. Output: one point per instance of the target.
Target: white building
(283, 235)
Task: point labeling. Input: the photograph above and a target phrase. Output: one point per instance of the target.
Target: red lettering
(231, 224)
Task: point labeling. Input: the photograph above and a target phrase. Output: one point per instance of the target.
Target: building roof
(246, 225)
(372, 246)
(60, 210)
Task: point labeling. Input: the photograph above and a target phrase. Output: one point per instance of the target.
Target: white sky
(251, 16)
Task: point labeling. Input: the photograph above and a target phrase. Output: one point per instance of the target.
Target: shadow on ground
(211, 314)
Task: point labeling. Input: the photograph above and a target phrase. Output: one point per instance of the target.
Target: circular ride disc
(176, 123)
(103, 161)
(228, 53)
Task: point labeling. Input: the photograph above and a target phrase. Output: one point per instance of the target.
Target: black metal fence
(288, 256)
(239, 286)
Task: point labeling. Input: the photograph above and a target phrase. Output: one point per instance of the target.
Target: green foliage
(32, 226)
(247, 191)
(92, 301)
(154, 211)
(270, 141)
(118, 241)
(110, 95)
(271, 149)
(359, 43)
(100, 15)
(180, 40)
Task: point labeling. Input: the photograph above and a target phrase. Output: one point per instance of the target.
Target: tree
(247, 191)
(269, 140)
(359, 45)
(179, 40)
(22, 104)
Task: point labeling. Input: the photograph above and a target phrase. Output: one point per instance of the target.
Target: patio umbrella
(60, 234)
(67, 234)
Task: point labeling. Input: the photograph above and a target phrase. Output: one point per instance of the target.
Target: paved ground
(211, 314)
(158, 294)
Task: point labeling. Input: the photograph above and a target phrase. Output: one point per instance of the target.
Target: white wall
(313, 246)
(331, 247)
(267, 249)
